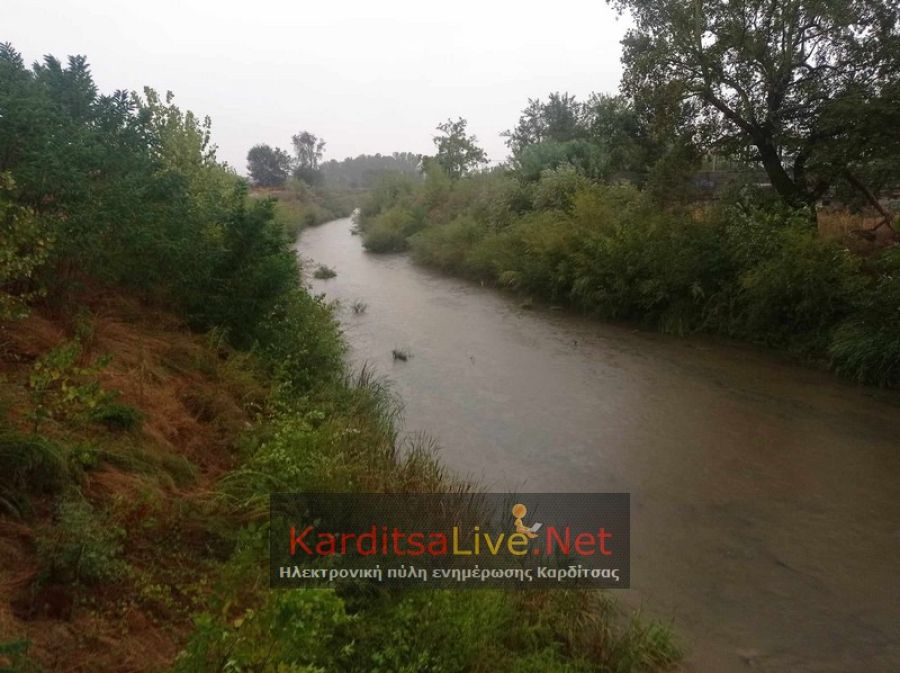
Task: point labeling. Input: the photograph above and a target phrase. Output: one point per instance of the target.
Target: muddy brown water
(765, 496)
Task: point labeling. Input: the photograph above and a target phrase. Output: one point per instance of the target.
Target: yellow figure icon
(519, 511)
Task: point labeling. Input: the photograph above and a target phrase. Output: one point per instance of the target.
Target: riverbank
(164, 368)
(741, 270)
(133, 523)
(738, 463)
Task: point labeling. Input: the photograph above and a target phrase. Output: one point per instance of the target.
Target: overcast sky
(369, 77)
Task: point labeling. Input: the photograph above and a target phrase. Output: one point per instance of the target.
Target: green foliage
(133, 193)
(793, 286)
(30, 464)
(557, 187)
(388, 191)
(866, 346)
(117, 417)
(298, 206)
(457, 151)
(25, 244)
(300, 341)
(14, 657)
(268, 167)
(308, 150)
(599, 138)
(708, 73)
(446, 246)
(559, 120)
(390, 230)
(82, 547)
(257, 268)
(757, 273)
(582, 156)
(292, 632)
(63, 387)
(412, 633)
(365, 171)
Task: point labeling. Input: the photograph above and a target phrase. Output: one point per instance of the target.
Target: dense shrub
(117, 416)
(30, 464)
(130, 190)
(82, 546)
(793, 287)
(390, 230)
(25, 243)
(299, 339)
(866, 346)
(756, 272)
(446, 246)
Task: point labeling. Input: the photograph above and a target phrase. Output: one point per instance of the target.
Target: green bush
(557, 188)
(446, 246)
(300, 341)
(63, 387)
(792, 286)
(117, 417)
(866, 346)
(389, 231)
(25, 243)
(583, 156)
(756, 272)
(82, 547)
(31, 465)
(292, 632)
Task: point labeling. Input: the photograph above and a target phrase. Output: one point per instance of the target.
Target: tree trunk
(791, 192)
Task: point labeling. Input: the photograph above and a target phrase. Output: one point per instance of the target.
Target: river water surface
(765, 496)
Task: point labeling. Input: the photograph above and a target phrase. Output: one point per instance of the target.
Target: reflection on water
(766, 516)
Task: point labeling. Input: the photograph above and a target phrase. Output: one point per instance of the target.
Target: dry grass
(839, 223)
(196, 398)
(860, 231)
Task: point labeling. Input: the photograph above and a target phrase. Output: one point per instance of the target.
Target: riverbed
(765, 496)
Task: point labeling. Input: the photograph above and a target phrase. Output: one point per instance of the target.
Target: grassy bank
(133, 531)
(745, 268)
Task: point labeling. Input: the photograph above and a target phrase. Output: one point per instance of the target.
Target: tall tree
(308, 150)
(268, 166)
(616, 128)
(457, 151)
(782, 78)
(561, 118)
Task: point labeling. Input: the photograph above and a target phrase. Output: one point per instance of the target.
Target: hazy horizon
(365, 78)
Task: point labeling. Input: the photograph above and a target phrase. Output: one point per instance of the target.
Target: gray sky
(369, 77)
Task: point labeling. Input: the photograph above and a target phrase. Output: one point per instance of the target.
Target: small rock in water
(749, 657)
(400, 355)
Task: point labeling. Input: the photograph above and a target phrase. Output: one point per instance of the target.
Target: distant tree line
(365, 170)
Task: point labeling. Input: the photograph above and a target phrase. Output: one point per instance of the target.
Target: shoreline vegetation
(162, 369)
(743, 267)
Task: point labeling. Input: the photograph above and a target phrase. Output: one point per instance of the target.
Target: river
(765, 496)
